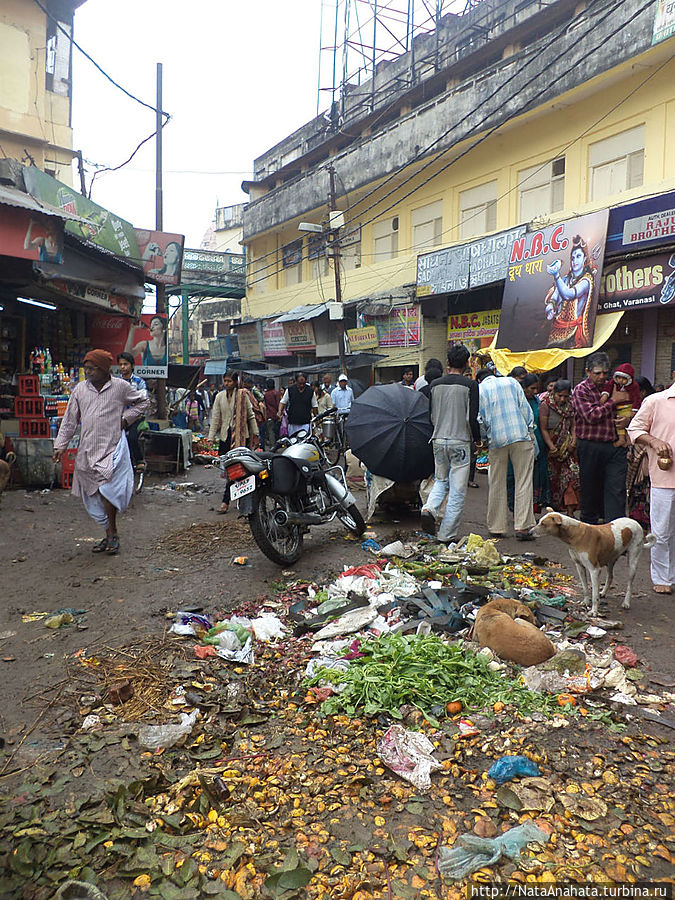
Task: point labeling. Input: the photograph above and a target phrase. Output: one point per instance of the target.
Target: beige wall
(31, 118)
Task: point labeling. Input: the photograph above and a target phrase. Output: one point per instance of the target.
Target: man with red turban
(104, 408)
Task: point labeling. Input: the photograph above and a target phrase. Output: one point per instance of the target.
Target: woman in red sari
(556, 423)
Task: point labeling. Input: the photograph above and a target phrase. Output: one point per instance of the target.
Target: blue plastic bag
(509, 767)
(471, 853)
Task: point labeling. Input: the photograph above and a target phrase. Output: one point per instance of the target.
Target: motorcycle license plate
(242, 488)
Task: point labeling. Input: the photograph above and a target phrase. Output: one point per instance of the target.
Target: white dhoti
(118, 490)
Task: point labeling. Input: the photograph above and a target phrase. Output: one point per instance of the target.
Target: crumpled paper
(408, 753)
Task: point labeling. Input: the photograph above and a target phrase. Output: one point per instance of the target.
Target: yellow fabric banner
(545, 360)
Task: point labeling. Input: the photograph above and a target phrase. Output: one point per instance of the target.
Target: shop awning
(303, 313)
(545, 360)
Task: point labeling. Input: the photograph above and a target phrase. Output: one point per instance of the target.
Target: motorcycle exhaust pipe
(303, 518)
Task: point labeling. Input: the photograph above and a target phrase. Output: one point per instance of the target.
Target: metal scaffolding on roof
(358, 35)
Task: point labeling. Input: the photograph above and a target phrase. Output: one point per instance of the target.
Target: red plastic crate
(29, 385)
(34, 428)
(68, 460)
(67, 480)
(29, 407)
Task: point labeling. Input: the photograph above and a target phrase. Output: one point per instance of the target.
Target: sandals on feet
(101, 547)
(113, 545)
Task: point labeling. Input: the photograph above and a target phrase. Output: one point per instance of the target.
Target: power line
(483, 137)
(100, 171)
(93, 61)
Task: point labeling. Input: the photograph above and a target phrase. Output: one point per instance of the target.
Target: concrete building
(36, 84)
(226, 230)
(514, 114)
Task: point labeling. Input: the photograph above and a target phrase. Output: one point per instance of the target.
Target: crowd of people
(598, 451)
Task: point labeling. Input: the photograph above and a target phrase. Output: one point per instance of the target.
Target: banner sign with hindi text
(466, 266)
(552, 285)
(274, 339)
(401, 328)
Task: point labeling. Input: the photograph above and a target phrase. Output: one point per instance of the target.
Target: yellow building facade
(607, 140)
(36, 84)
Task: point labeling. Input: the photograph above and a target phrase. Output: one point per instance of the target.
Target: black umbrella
(389, 430)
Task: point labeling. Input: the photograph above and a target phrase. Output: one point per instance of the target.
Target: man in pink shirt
(653, 426)
(104, 408)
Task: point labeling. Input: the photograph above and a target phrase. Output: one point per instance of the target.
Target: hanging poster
(552, 285)
(401, 328)
(664, 21)
(31, 236)
(299, 335)
(147, 341)
(161, 255)
(362, 338)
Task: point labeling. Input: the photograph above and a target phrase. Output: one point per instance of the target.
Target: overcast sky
(239, 75)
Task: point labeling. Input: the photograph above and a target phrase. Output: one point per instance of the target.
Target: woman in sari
(556, 422)
(638, 484)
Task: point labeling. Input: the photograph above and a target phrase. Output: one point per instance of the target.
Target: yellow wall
(567, 127)
(31, 117)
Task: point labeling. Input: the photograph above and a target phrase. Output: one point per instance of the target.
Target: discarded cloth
(470, 853)
(408, 753)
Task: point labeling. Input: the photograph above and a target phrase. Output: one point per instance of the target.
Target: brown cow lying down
(507, 627)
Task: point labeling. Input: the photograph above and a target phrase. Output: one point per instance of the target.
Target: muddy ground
(358, 828)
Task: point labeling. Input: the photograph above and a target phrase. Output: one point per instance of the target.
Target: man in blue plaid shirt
(509, 425)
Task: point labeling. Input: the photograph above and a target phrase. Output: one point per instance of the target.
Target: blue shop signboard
(646, 224)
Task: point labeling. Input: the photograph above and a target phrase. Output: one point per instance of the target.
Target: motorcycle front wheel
(352, 519)
(282, 543)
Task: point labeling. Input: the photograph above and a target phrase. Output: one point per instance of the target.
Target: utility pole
(160, 290)
(334, 246)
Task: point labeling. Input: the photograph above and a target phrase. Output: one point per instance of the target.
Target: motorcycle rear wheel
(280, 543)
(352, 519)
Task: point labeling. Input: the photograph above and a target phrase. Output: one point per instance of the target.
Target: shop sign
(291, 254)
(102, 227)
(552, 286)
(467, 326)
(637, 283)
(401, 328)
(213, 262)
(274, 339)
(299, 335)
(664, 21)
(146, 341)
(28, 235)
(97, 296)
(362, 338)
(249, 343)
(642, 225)
(161, 255)
(467, 266)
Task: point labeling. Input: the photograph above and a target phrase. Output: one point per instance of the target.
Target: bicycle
(333, 434)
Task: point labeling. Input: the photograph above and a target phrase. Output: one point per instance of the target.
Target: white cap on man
(342, 377)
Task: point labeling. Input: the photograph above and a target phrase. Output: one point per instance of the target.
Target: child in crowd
(625, 394)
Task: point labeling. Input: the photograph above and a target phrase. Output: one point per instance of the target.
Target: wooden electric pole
(335, 253)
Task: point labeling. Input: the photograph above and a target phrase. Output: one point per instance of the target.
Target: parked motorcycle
(286, 490)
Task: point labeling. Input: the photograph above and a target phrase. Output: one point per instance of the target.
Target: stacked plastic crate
(29, 408)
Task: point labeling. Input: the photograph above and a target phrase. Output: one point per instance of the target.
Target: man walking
(342, 396)
(272, 401)
(509, 425)
(602, 466)
(103, 407)
(654, 427)
(453, 405)
(301, 403)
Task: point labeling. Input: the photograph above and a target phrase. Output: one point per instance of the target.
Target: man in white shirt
(342, 396)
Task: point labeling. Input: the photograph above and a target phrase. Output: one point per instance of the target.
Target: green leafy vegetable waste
(423, 671)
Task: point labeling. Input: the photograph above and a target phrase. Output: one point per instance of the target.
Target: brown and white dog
(507, 627)
(597, 547)
(5, 471)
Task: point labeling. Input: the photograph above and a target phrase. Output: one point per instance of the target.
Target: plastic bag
(267, 627)
(243, 655)
(470, 853)
(509, 767)
(350, 622)
(155, 736)
(227, 640)
(408, 753)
